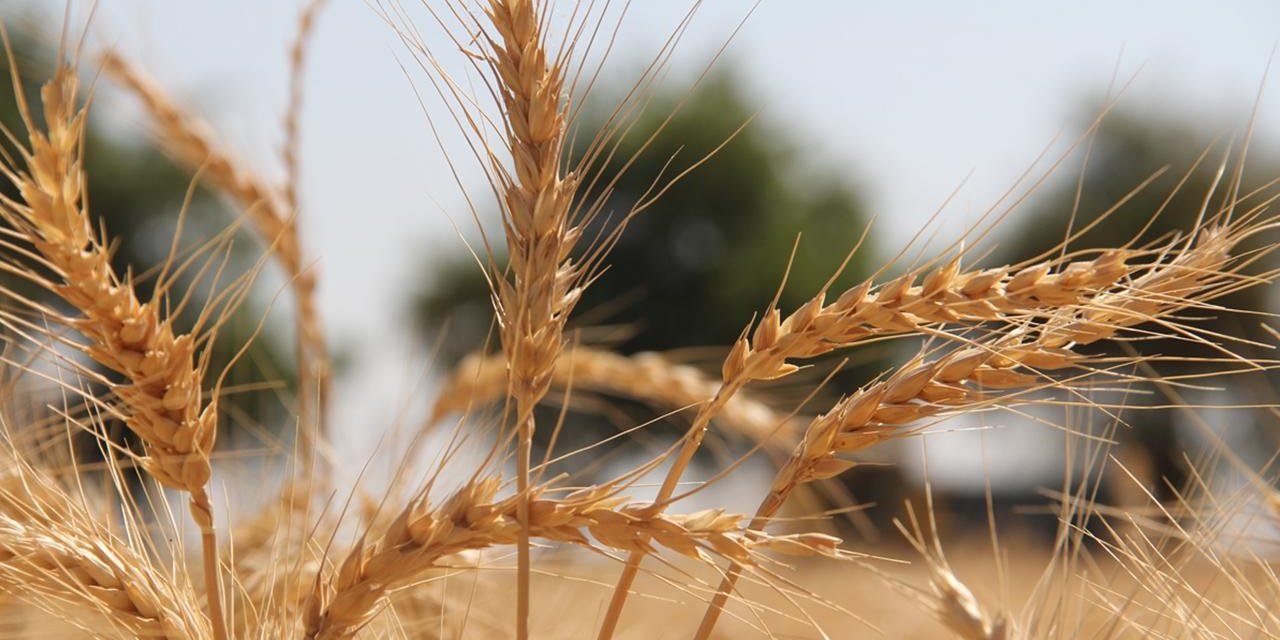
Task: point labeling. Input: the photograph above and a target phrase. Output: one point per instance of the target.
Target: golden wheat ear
(423, 537)
(55, 555)
(951, 601)
(479, 380)
(162, 400)
(1179, 275)
(273, 213)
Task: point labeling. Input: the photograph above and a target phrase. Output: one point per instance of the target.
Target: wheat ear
(297, 65)
(1011, 361)
(56, 556)
(272, 213)
(472, 518)
(945, 294)
(536, 197)
(162, 397)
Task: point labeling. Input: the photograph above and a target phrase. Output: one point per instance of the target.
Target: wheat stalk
(536, 197)
(162, 397)
(272, 213)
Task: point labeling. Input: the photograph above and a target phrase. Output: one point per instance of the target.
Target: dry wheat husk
(56, 556)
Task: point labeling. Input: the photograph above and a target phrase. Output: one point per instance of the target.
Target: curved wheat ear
(162, 399)
(273, 214)
(1015, 360)
(421, 537)
(648, 377)
(946, 294)
(55, 556)
(1113, 289)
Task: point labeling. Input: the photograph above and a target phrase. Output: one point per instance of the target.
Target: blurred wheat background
(934, 138)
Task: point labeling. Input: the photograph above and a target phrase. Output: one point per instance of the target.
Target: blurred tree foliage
(1130, 146)
(693, 269)
(136, 193)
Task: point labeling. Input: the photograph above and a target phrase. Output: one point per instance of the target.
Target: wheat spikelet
(273, 214)
(960, 611)
(472, 518)
(55, 556)
(648, 377)
(162, 396)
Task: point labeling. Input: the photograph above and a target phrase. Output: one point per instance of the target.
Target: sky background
(906, 98)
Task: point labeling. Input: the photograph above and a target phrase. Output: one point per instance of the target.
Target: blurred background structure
(864, 113)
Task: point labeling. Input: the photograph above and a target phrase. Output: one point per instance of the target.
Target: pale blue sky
(908, 97)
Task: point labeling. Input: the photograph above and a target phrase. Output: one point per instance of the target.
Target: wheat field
(501, 535)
